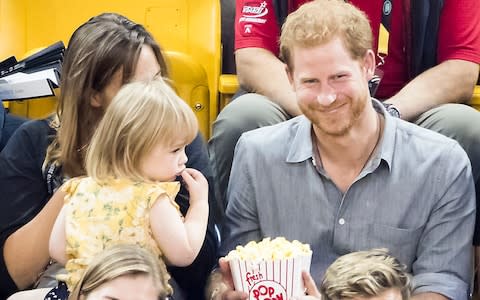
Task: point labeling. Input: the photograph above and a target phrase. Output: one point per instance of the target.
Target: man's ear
(369, 64)
(289, 75)
(96, 99)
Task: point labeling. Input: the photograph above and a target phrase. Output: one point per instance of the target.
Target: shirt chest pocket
(401, 242)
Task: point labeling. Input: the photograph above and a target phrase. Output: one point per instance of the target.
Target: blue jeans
(8, 125)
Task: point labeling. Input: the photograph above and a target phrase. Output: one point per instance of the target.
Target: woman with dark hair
(104, 53)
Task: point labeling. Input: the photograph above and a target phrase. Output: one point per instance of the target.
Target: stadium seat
(227, 86)
(475, 102)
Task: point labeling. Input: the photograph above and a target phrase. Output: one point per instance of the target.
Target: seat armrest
(475, 101)
(227, 86)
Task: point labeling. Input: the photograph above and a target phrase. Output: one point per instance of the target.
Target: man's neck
(344, 157)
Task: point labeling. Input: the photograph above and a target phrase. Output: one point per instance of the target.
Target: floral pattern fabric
(100, 215)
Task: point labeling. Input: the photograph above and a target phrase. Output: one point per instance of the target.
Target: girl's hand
(196, 184)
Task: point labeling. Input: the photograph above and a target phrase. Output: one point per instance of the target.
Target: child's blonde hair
(141, 115)
(120, 260)
(365, 274)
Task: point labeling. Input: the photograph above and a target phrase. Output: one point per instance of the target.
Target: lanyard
(387, 13)
(384, 30)
(382, 50)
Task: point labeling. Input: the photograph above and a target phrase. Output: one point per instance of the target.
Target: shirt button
(341, 221)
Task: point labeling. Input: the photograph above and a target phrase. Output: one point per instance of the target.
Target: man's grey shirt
(415, 196)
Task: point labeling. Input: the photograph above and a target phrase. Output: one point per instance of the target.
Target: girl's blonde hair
(120, 260)
(140, 116)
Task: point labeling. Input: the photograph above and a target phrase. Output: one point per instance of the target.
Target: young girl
(132, 163)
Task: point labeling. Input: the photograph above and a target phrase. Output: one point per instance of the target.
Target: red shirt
(459, 33)
(256, 24)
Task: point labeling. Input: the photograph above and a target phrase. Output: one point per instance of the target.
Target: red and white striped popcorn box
(279, 279)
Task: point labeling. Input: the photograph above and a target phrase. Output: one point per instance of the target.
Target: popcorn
(270, 269)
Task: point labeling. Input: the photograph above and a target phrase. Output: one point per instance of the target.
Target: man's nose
(326, 98)
(326, 94)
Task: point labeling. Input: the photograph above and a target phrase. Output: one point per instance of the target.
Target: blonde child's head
(141, 115)
(365, 274)
(123, 261)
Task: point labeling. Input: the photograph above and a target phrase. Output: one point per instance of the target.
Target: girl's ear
(96, 99)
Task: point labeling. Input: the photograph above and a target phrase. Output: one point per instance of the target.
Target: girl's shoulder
(168, 189)
(71, 185)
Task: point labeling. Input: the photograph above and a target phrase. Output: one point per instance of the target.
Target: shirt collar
(386, 144)
(301, 147)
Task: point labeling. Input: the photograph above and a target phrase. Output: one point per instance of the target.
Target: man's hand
(310, 288)
(220, 284)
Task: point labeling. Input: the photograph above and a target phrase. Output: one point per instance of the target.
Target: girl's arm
(58, 239)
(180, 241)
(191, 280)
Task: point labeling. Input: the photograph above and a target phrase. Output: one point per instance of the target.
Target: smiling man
(346, 176)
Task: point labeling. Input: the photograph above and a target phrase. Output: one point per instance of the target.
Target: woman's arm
(26, 250)
(58, 239)
(25, 213)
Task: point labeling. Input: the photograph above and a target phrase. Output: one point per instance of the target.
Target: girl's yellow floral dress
(100, 215)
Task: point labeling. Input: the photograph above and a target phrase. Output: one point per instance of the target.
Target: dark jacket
(424, 24)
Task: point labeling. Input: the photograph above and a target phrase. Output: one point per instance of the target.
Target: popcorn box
(270, 269)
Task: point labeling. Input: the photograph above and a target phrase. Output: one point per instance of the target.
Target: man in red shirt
(423, 96)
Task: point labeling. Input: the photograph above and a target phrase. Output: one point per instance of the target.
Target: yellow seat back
(191, 83)
(189, 28)
(475, 102)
